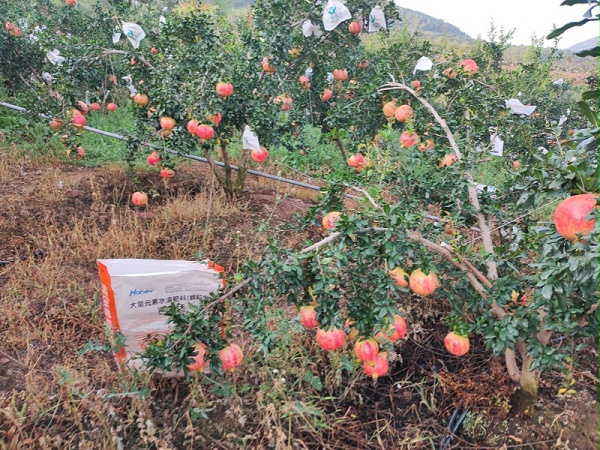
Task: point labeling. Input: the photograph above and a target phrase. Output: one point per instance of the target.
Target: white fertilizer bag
(135, 292)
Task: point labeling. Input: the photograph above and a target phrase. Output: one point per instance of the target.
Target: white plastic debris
(424, 64)
(162, 20)
(562, 120)
(309, 29)
(130, 86)
(48, 78)
(377, 20)
(559, 82)
(54, 57)
(116, 37)
(516, 107)
(497, 145)
(249, 140)
(134, 33)
(334, 13)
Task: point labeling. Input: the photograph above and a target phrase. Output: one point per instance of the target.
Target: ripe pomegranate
(167, 123)
(112, 107)
(304, 81)
(366, 350)
(326, 96)
(95, 106)
(55, 124)
(416, 84)
(78, 121)
(259, 155)
(139, 198)
(308, 316)
(330, 219)
(12, 29)
(70, 2)
(153, 158)
(395, 331)
(355, 28)
(141, 99)
(409, 139)
(403, 112)
(378, 367)
(330, 340)
(192, 126)
(569, 216)
(389, 109)
(205, 132)
(200, 360)
(448, 160)
(340, 74)
(571, 132)
(400, 277)
(83, 107)
(216, 119)
(80, 152)
(422, 284)
(456, 344)
(224, 89)
(358, 162)
(231, 356)
(167, 173)
(516, 163)
(469, 66)
(164, 133)
(266, 65)
(153, 50)
(285, 102)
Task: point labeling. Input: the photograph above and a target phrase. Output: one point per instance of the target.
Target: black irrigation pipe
(204, 160)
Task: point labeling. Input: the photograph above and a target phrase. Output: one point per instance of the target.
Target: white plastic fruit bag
(309, 29)
(135, 293)
(249, 140)
(335, 12)
(377, 20)
(516, 107)
(134, 33)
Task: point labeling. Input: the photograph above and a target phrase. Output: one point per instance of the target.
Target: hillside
(428, 25)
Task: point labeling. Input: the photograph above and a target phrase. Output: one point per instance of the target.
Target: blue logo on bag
(331, 10)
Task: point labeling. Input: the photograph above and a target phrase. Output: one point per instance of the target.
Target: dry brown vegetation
(57, 218)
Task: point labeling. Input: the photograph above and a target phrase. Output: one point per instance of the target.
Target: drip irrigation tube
(204, 160)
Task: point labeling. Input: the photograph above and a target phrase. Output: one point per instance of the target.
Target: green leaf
(590, 95)
(588, 113)
(574, 2)
(594, 51)
(564, 28)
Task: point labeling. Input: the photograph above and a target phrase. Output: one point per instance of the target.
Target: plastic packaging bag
(135, 293)
(309, 29)
(335, 12)
(249, 140)
(377, 20)
(134, 33)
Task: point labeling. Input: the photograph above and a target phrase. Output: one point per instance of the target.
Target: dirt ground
(57, 218)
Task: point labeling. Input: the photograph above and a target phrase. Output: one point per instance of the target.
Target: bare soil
(56, 218)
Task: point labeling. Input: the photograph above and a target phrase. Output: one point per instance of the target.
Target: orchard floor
(57, 217)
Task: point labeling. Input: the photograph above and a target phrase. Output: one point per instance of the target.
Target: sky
(526, 16)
